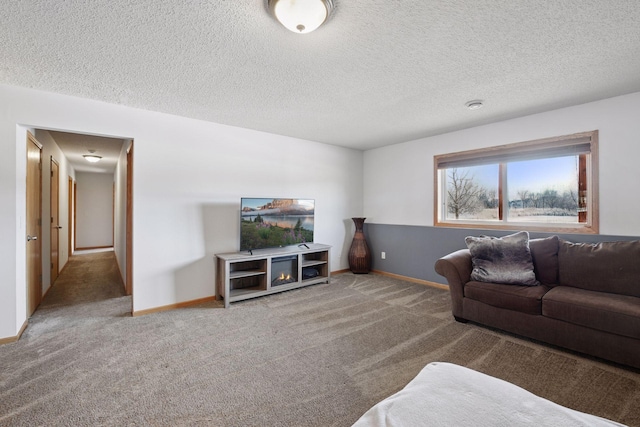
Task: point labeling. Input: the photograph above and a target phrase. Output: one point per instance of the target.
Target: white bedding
(444, 394)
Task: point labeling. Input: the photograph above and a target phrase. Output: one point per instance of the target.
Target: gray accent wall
(412, 251)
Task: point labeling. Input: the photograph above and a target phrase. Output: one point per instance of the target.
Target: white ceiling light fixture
(301, 16)
(475, 104)
(92, 158)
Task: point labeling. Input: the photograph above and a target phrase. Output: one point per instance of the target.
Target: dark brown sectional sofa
(588, 299)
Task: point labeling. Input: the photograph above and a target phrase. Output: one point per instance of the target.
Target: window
(544, 185)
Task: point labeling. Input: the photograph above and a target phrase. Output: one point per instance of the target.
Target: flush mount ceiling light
(301, 16)
(474, 105)
(92, 158)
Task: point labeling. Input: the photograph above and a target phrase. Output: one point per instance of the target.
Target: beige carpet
(317, 356)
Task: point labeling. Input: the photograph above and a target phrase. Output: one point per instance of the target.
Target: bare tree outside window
(463, 194)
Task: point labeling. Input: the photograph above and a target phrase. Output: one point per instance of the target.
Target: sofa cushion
(544, 253)
(526, 299)
(502, 259)
(617, 314)
(612, 267)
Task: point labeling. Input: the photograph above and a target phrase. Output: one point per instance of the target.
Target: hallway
(88, 287)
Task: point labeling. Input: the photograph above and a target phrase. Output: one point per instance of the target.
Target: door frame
(129, 224)
(34, 267)
(70, 222)
(75, 220)
(54, 208)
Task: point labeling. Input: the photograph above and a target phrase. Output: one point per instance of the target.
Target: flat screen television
(269, 223)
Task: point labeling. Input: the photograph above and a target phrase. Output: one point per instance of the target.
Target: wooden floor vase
(359, 253)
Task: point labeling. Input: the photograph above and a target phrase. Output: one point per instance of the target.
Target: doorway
(66, 154)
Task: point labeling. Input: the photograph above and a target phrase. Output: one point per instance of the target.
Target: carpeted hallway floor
(317, 356)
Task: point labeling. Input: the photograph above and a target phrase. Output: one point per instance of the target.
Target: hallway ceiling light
(92, 157)
(301, 16)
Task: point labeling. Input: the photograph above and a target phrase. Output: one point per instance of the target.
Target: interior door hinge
(51, 220)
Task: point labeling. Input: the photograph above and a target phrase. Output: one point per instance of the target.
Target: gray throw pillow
(502, 260)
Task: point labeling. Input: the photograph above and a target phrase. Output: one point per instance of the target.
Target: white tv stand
(242, 275)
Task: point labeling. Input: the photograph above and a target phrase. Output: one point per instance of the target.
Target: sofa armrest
(456, 268)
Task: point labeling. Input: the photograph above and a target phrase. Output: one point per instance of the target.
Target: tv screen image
(269, 223)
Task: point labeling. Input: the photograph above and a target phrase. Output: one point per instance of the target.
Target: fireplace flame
(283, 277)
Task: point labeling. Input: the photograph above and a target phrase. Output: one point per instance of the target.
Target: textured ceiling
(377, 73)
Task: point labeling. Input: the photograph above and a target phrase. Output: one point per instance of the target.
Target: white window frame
(584, 144)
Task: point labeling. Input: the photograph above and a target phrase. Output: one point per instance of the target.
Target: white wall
(189, 176)
(398, 179)
(50, 149)
(94, 210)
(188, 182)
